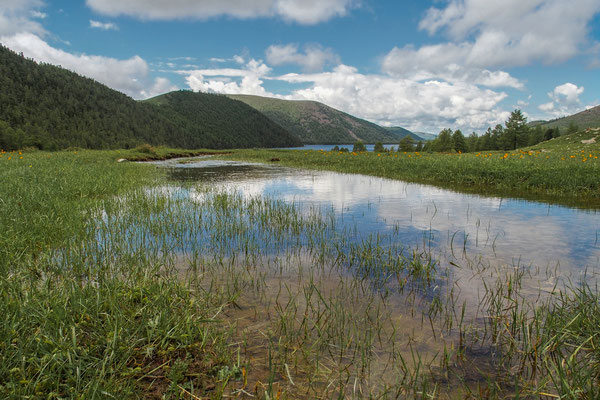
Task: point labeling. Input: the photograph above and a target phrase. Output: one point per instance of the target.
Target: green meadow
(116, 283)
(562, 170)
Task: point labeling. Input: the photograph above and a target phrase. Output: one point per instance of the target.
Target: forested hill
(589, 118)
(316, 123)
(52, 108)
(228, 123)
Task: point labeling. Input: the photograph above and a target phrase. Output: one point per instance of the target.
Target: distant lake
(329, 147)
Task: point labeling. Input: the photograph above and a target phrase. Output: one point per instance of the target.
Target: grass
(118, 284)
(73, 327)
(563, 170)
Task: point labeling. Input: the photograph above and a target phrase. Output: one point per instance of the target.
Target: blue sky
(424, 65)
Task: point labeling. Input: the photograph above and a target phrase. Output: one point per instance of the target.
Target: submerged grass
(116, 284)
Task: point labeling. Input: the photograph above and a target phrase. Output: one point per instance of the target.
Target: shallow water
(550, 240)
(475, 240)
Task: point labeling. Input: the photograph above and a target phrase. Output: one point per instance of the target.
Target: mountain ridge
(318, 123)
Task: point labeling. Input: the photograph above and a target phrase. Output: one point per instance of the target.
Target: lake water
(329, 147)
(457, 227)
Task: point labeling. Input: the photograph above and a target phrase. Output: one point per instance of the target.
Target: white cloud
(443, 61)
(160, 86)
(15, 5)
(565, 100)
(567, 93)
(427, 106)
(17, 16)
(547, 107)
(488, 35)
(106, 26)
(514, 32)
(129, 76)
(38, 14)
(314, 58)
(249, 79)
(300, 11)
(312, 11)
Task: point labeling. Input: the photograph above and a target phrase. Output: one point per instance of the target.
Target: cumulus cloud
(565, 100)
(312, 11)
(485, 37)
(300, 11)
(161, 85)
(314, 58)
(18, 16)
(488, 35)
(246, 80)
(443, 61)
(129, 76)
(426, 106)
(567, 93)
(105, 26)
(514, 32)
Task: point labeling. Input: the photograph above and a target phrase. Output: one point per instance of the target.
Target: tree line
(515, 133)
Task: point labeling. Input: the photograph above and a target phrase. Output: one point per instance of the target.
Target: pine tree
(406, 144)
(516, 132)
(443, 142)
(458, 141)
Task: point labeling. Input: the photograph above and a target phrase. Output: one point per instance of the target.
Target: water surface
(329, 147)
(475, 240)
(459, 227)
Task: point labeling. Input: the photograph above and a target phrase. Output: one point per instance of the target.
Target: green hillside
(402, 132)
(228, 123)
(583, 120)
(51, 108)
(316, 123)
(587, 140)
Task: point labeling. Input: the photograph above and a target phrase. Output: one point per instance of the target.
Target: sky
(424, 65)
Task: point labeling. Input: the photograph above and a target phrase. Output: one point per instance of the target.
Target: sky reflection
(492, 230)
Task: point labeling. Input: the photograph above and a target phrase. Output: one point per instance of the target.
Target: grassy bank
(76, 327)
(562, 170)
(115, 283)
